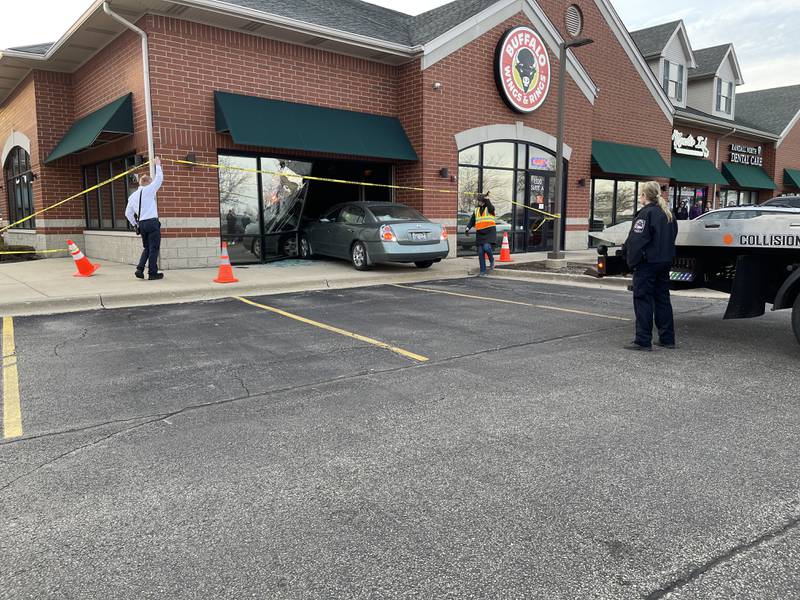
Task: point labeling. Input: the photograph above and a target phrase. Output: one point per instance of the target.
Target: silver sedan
(366, 233)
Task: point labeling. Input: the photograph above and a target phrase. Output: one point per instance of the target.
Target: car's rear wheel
(796, 318)
(256, 248)
(305, 248)
(423, 264)
(358, 255)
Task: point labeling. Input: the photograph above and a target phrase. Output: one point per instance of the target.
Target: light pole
(556, 253)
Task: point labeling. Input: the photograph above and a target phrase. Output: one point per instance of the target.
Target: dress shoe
(638, 348)
(139, 274)
(667, 346)
(153, 276)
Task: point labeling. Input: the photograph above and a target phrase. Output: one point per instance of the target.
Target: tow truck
(755, 258)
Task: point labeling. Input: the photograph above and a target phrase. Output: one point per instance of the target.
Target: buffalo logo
(522, 69)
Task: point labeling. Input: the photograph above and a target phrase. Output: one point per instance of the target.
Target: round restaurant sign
(522, 69)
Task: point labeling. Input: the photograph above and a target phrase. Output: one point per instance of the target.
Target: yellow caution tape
(78, 195)
(347, 182)
(34, 251)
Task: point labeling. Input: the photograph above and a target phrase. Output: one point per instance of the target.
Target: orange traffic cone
(505, 249)
(85, 267)
(225, 274)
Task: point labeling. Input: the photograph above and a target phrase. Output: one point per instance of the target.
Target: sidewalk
(48, 287)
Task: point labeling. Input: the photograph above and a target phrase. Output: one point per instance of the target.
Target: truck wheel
(796, 317)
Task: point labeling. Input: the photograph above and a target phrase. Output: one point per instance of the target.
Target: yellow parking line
(12, 416)
(500, 300)
(332, 329)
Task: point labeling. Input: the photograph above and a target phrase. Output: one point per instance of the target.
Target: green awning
(696, 170)
(255, 121)
(622, 159)
(747, 177)
(791, 177)
(105, 125)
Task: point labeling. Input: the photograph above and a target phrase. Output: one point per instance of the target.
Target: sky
(762, 31)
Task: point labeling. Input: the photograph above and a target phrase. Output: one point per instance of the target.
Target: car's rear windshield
(395, 212)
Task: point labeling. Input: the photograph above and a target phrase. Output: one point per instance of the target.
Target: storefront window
(19, 184)
(499, 154)
(738, 198)
(516, 176)
(613, 202)
(105, 207)
(261, 202)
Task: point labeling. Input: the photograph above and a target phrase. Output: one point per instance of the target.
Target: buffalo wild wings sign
(522, 69)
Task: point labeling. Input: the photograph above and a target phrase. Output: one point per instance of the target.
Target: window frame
(668, 80)
(724, 102)
(129, 161)
(18, 175)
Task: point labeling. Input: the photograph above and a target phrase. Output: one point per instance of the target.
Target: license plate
(419, 236)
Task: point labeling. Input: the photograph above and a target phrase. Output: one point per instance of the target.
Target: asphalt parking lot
(471, 438)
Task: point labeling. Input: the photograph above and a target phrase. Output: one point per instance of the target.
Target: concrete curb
(613, 283)
(70, 304)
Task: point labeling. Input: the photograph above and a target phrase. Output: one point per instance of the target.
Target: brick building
(340, 90)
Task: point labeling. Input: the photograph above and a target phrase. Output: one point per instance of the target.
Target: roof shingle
(708, 61)
(769, 110)
(652, 40)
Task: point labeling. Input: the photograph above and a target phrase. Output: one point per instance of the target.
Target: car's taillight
(387, 234)
(444, 234)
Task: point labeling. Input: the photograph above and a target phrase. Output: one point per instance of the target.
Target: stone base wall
(176, 253)
(576, 240)
(41, 241)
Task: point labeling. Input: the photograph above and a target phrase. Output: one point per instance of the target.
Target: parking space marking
(515, 302)
(332, 329)
(12, 415)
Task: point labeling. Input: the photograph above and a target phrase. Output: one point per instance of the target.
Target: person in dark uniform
(483, 220)
(649, 251)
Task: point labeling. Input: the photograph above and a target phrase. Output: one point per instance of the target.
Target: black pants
(150, 230)
(651, 298)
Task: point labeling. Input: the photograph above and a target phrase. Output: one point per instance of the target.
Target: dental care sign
(747, 155)
(689, 144)
(522, 69)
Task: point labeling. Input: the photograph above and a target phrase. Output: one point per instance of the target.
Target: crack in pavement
(726, 556)
(58, 345)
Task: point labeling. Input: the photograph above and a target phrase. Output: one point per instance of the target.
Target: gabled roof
(709, 61)
(363, 18)
(652, 40)
(433, 23)
(771, 110)
(352, 16)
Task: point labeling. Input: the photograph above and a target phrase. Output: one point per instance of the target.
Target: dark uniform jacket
(652, 237)
(484, 236)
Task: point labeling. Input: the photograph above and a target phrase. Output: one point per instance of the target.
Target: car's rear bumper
(394, 252)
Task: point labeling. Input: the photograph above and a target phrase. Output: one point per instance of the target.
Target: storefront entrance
(264, 201)
(516, 176)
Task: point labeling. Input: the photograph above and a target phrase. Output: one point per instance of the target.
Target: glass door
(539, 195)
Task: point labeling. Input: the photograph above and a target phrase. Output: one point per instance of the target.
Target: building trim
(17, 138)
(726, 126)
(635, 56)
(516, 132)
(788, 129)
(468, 31)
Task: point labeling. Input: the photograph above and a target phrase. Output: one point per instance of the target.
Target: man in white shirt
(142, 211)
